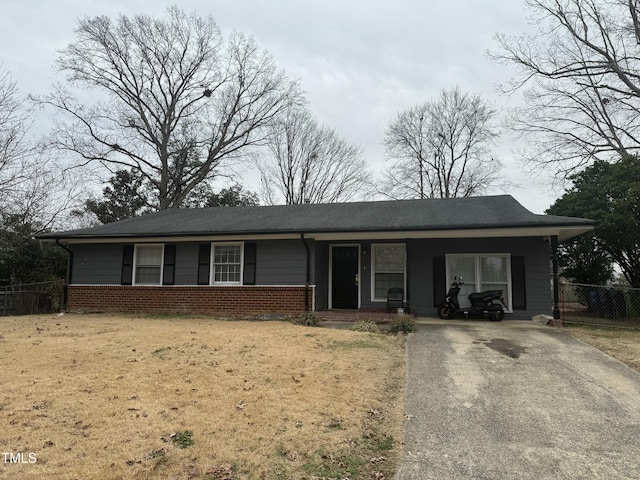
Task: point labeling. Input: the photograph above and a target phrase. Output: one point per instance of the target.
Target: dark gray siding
(321, 277)
(278, 262)
(534, 249)
(97, 264)
(365, 275)
(283, 262)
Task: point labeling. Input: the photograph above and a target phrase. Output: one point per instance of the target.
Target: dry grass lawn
(621, 344)
(107, 397)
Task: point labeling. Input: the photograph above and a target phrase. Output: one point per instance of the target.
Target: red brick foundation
(218, 300)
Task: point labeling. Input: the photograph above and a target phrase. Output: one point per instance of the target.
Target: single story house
(290, 258)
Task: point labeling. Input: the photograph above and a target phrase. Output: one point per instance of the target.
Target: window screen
(148, 264)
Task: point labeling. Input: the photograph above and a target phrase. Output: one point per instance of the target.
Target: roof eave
(564, 232)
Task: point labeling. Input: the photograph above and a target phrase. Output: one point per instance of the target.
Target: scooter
(487, 304)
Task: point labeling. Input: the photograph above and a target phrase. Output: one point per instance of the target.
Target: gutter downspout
(407, 294)
(308, 279)
(70, 262)
(69, 271)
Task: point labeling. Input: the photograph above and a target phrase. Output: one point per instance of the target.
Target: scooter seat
(481, 296)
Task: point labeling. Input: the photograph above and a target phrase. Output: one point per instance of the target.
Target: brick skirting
(211, 300)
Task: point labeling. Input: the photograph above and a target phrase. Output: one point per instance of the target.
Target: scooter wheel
(498, 315)
(445, 312)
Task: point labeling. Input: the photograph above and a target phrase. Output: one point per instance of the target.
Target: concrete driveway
(516, 400)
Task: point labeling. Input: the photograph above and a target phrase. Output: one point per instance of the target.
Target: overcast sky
(359, 61)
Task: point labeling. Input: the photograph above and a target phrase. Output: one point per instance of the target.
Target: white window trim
(477, 288)
(212, 266)
(373, 269)
(135, 262)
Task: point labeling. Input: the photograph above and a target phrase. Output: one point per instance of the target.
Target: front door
(344, 277)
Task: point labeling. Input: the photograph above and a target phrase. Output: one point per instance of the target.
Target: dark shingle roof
(501, 211)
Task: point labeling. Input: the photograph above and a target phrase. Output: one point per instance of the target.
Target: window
(227, 263)
(480, 273)
(148, 264)
(388, 267)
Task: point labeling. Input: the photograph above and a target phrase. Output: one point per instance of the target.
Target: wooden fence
(27, 299)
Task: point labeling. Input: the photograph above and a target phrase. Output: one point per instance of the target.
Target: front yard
(194, 398)
(622, 344)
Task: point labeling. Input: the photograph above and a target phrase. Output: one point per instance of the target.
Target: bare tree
(581, 75)
(441, 149)
(309, 162)
(174, 101)
(15, 145)
(32, 185)
(35, 195)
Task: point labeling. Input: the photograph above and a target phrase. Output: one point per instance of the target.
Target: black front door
(344, 278)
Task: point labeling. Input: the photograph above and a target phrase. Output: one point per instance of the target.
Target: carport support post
(308, 278)
(556, 289)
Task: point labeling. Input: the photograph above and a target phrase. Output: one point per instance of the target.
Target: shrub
(308, 319)
(365, 326)
(56, 294)
(403, 324)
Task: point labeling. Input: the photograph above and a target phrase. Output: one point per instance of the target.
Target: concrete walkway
(516, 400)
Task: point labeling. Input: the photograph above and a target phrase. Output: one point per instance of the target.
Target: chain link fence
(599, 304)
(29, 299)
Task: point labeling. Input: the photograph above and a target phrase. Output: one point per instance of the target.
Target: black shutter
(439, 280)
(127, 265)
(249, 264)
(204, 257)
(518, 285)
(169, 270)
